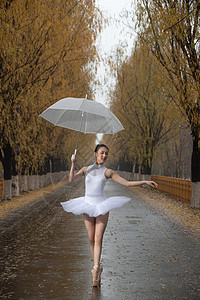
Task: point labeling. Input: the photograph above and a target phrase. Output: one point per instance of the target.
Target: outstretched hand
(152, 184)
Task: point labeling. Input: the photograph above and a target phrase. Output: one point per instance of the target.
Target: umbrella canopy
(82, 115)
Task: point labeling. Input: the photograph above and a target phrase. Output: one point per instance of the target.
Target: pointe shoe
(96, 276)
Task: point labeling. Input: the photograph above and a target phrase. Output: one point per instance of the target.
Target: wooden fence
(180, 189)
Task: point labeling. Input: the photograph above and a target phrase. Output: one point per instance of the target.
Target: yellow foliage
(46, 51)
(171, 30)
(142, 101)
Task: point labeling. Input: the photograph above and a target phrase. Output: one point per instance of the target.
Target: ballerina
(94, 205)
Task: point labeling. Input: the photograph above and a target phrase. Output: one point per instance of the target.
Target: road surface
(44, 252)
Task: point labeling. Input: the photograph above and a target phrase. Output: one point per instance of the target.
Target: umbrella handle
(79, 133)
(77, 144)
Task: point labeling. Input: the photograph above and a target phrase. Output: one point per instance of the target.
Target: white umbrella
(82, 115)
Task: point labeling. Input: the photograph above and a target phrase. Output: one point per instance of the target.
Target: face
(101, 155)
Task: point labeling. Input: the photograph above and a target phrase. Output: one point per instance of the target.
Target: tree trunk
(30, 183)
(7, 190)
(147, 170)
(7, 162)
(15, 179)
(15, 186)
(23, 184)
(146, 167)
(195, 200)
(195, 170)
(139, 170)
(133, 171)
(7, 166)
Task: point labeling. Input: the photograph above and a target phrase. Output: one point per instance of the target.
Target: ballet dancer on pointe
(94, 205)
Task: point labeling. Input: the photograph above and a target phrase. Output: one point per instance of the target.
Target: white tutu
(79, 206)
(94, 203)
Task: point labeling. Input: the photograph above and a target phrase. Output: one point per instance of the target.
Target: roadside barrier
(180, 189)
(28, 183)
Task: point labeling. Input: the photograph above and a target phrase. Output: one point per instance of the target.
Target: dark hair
(99, 146)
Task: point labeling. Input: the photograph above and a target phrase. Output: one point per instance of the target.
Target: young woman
(95, 206)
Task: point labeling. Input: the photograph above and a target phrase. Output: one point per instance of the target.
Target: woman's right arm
(73, 177)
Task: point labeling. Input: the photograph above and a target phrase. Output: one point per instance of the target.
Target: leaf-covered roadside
(178, 211)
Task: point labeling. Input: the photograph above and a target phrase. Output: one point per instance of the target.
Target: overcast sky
(108, 41)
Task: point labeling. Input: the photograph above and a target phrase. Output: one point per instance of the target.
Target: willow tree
(143, 103)
(171, 29)
(45, 52)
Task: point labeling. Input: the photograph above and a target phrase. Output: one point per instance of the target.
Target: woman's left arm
(111, 174)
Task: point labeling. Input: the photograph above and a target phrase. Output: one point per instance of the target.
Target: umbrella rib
(59, 119)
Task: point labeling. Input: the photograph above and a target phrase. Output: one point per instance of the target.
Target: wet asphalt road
(44, 253)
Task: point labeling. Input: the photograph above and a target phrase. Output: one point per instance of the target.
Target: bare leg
(96, 228)
(100, 226)
(90, 226)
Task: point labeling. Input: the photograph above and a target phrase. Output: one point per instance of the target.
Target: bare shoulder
(109, 173)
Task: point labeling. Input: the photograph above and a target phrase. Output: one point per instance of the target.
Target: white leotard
(95, 202)
(95, 181)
